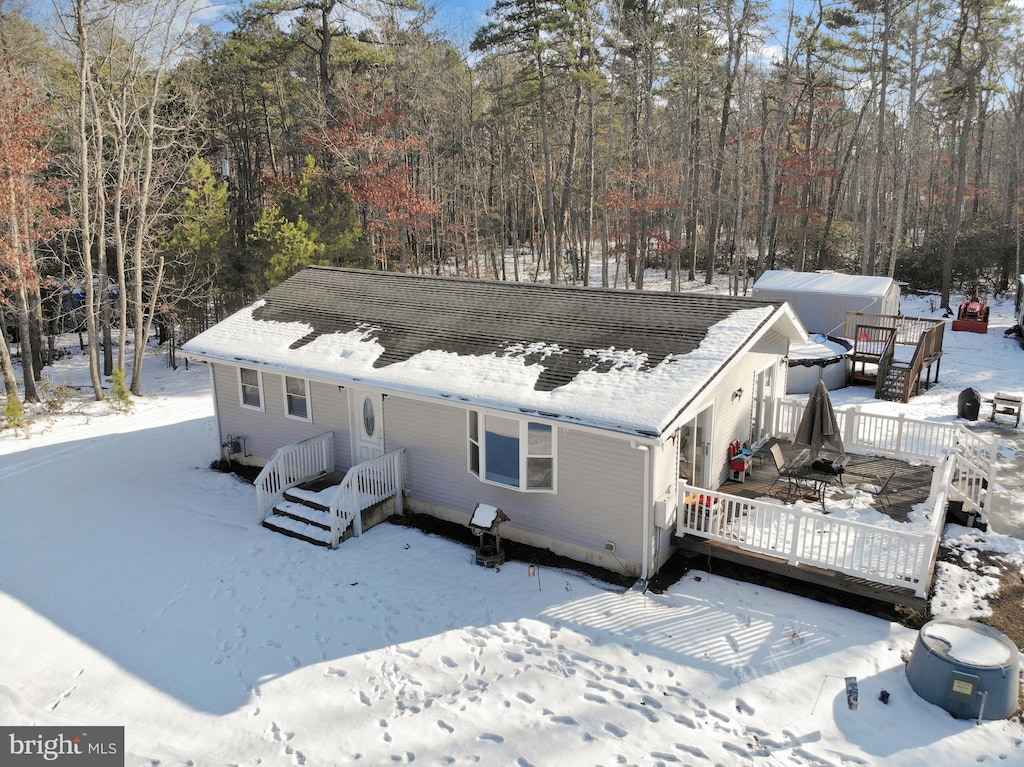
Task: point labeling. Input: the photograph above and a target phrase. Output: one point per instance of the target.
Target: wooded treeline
(159, 171)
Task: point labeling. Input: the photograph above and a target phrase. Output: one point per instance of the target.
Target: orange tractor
(973, 314)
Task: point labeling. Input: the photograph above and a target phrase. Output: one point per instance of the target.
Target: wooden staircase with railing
(875, 339)
(297, 495)
(305, 511)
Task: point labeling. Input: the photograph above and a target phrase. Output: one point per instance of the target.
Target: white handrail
(899, 436)
(877, 554)
(291, 465)
(364, 485)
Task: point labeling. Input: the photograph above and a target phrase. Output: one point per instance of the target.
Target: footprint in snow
(649, 715)
(691, 750)
(743, 707)
(685, 721)
(525, 697)
(615, 730)
(661, 756)
(490, 736)
(63, 696)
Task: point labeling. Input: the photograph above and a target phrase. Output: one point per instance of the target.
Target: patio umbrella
(818, 426)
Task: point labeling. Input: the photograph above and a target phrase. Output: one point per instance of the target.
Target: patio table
(803, 473)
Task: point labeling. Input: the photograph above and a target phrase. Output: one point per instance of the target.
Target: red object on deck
(973, 315)
(739, 461)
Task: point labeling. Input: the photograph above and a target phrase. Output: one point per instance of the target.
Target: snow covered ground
(136, 589)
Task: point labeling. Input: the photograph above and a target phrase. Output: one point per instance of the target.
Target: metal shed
(822, 299)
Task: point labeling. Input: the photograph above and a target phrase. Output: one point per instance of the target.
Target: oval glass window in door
(369, 417)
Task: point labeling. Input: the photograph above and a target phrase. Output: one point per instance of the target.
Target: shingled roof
(558, 335)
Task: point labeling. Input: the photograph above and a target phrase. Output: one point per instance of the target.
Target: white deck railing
(364, 485)
(899, 436)
(803, 536)
(291, 465)
(965, 471)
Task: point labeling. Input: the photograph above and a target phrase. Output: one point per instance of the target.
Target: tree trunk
(86, 94)
(867, 263)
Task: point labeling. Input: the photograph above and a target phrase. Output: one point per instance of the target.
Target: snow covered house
(575, 411)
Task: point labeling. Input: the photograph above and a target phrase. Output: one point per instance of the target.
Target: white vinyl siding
(296, 398)
(266, 430)
(512, 452)
(250, 388)
(600, 482)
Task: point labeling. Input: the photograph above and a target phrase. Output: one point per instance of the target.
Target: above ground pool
(824, 357)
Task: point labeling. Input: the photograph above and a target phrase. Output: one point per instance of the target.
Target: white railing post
(364, 485)
(291, 465)
(795, 540)
(796, 535)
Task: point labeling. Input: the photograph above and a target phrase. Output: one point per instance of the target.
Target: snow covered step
(295, 528)
(318, 499)
(304, 513)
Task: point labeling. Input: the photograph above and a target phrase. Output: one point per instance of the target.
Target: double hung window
(296, 395)
(251, 386)
(515, 453)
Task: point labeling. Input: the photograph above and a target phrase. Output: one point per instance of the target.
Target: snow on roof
(623, 398)
(832, 283)
(622, 389)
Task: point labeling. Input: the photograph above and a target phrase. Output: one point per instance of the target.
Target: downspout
(216, 399)
(648, 522)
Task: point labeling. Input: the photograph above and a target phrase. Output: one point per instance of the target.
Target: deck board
(910, 486)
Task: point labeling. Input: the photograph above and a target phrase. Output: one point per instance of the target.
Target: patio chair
(878, 486)
(784, 470)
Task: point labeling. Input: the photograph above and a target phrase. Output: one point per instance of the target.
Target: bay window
(512, 452)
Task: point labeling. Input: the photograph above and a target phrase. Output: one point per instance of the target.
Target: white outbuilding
(822, 299)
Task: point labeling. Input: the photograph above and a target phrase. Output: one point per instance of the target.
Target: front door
(366, 408)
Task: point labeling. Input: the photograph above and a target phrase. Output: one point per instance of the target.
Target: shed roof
(623, 360)
(832, 283)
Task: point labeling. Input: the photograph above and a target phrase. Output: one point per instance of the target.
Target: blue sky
(457, 19)
(461, 18)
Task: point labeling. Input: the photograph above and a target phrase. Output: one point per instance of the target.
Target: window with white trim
(250, 383)
(512, 452)
(296, 396)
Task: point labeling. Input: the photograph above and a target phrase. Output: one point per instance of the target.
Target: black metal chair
(794, 481)
(878, 486)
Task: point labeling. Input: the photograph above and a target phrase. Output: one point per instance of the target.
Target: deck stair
(305, 511)
(894, 354)
(894, 383)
